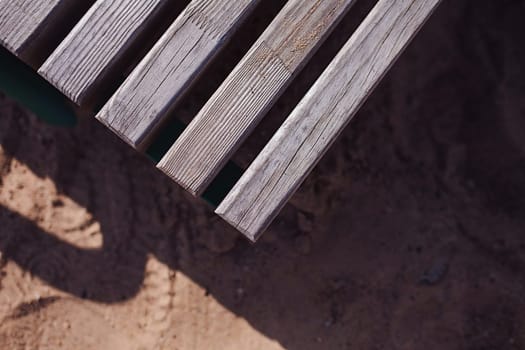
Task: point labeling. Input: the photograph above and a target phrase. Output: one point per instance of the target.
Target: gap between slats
(250, 91)
(142, 103)
(103, 46)
(32, 29)
(322, 114)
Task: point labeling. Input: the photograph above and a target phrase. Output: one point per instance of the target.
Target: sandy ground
(408, 235)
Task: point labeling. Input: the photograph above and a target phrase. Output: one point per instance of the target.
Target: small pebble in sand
(435, 273)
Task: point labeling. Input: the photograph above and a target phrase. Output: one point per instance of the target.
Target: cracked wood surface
(165, 74)
(250, 91)
(22, 21)
(322, 114)
(96, 43)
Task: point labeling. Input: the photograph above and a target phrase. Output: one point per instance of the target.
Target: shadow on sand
(344, 265)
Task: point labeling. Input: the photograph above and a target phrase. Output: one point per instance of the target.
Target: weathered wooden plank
(250, 91)
(23, 21)
(322, 114)
(96, 43)
(165, 74)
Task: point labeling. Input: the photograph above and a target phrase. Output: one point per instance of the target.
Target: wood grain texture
(96, 43)
(322, 114)
(22, 20)
(169, 69)
(250, 91)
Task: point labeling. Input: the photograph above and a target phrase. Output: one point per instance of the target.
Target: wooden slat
(96, 43)
(21, 21)
(166, 73)
(322, 114)
(250, 91)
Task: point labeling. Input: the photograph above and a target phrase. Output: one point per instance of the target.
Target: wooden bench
(139, 107)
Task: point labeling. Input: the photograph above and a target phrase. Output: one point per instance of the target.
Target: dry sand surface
(410, 234)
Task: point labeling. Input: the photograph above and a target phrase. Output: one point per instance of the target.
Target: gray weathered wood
(165, 74)
(96, 43)
(250, 91)
(322, 114)
(21, 21)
